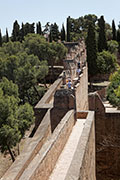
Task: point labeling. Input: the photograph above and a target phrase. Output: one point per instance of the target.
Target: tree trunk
(12, 156)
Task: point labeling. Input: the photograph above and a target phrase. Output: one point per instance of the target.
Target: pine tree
(91, 50)
(63, 33)
(102, 43)
(68, 29)
(16, 31)
(38, 28)
(113, 30)
(7, 36)
(0, 38)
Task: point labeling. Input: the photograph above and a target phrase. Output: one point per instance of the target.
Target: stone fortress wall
(107, 133)
(57, 114)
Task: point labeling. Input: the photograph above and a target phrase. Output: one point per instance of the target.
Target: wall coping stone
(76, 164)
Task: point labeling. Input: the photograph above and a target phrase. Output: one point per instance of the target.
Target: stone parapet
(42, 165)
(83, 164)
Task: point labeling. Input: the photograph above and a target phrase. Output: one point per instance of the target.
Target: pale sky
(54, 11)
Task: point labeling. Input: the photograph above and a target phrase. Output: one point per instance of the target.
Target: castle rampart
(46, 144)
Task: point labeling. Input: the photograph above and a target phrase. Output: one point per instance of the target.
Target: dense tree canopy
(20, 65)
(113, 91)
(106, 62)
(14, 119)
(113, 46)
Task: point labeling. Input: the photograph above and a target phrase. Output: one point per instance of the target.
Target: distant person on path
(64, 78)
(69, 84)
(78, 69)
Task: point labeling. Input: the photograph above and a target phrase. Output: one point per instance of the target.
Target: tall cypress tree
(68, 29)
(54, 32)
(91, 50)
(50, 36)
(102, 43)
(114, 30)
(63, 33)
(32, 28)
(22, 33)
(0, 38)
(118, 38)
(16, 31)
(7, 36)
(38, 28)
(118, 35)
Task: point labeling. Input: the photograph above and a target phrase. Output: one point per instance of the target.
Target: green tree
(0, 38)
(118, 35)
(38, 28)
(55, 54)
(15, 31)
(84, 22)
(63, 33)
(28, 28)
(114, 30)
(113, 46)
(11, 48)
(54, 32)
(37, 45)
(7, 36)
(91, 51)
(113, 90)
(68, 29)
(79, 26)
(106, 62)
(50, 36)
(14, 119)
(118, 38)
(27, 75)
(18, 63)
(22, 33)
(25, 117)
(109, 35)
(102, 43)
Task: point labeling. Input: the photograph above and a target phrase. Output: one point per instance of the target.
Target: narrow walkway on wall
(67, 154)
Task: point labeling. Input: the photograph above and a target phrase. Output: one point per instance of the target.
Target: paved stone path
(67, 154)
